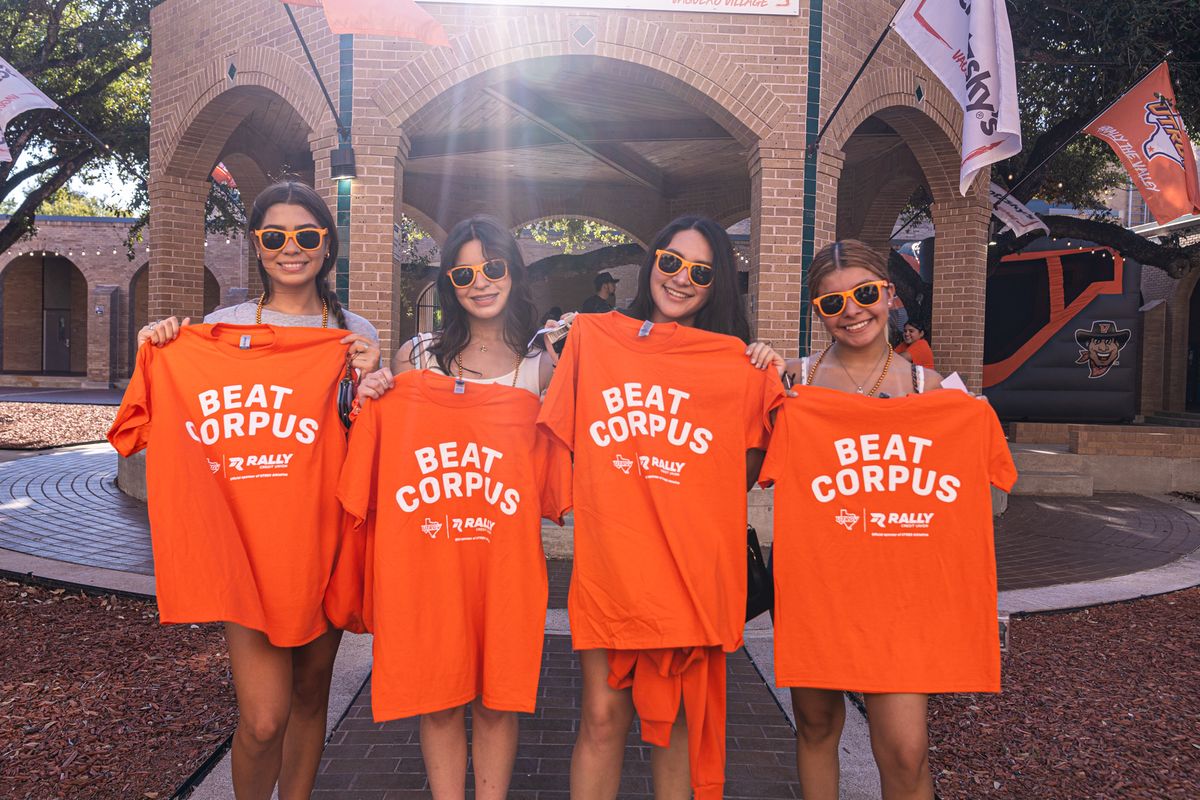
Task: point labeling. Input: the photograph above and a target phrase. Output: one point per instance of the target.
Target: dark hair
(294, 193)
(919, 325)
(520, 314)
(723, 313)
(554, 312)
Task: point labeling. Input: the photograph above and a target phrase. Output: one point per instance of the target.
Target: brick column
(776, 229)
(1152, 378)
(176, 271)
(959, 285)
(104, 315)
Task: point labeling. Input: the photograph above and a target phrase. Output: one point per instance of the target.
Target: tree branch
(21, 220)
(1174, 260)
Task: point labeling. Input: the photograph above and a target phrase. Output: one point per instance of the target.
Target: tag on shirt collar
(244, 344)
(645, 329)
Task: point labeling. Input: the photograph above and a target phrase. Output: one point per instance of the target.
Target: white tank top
(528, 378)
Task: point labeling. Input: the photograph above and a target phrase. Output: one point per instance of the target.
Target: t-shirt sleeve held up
(1002, 472)
(131, 429)
(356, 483)
(557, 416)
(764, 393)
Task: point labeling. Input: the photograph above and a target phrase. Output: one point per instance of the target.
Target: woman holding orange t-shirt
(849, 284)
(489, 318)
(660, 412)
(283, 692)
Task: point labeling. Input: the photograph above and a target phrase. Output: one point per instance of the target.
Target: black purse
(345, 395)
(760, 583)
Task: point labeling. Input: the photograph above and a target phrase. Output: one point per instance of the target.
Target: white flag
(968, 46)
(17, 95)
(1013, 213)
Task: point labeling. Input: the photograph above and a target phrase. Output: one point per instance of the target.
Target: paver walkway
(65, 505)
(369, 761)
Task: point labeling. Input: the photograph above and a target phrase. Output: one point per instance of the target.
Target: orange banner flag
(1145, 131)
(402, 19)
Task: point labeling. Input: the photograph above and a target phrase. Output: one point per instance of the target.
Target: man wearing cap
(605, 297)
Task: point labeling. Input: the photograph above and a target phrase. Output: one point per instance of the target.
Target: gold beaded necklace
(516, 369)
(263, 297)
(887, 365)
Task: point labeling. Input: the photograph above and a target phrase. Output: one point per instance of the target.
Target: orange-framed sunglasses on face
(275, 239)
(493, 269)
(865, 295)
(668, 263)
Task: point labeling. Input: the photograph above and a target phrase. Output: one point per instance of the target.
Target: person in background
(605, 298)
(915, 346)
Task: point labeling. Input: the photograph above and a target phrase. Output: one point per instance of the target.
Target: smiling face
(485, 298)
(911, 334)
(292, 266)
(1103, 352)
(856, 326)
(676, 298)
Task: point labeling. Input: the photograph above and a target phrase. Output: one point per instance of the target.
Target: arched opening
(566, 254)
(139, 303)
(428, 307)
(45, 303)
(578, 136)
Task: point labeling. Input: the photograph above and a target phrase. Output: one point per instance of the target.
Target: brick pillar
(176, 271)
(104, 316)
(776, 228)
(1154, 356)
(959, 285)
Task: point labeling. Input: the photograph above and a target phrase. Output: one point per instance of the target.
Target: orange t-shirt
(242, 452)
(918, 353)
(659, 425)
(885, 573)
(456, 485)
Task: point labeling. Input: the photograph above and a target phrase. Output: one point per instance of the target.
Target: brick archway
(216, 104)
(710, 82)
(930, 127)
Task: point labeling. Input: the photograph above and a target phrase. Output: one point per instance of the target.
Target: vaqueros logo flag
(969, 48)
(1145, 131)
(17, 95)
(402, 19)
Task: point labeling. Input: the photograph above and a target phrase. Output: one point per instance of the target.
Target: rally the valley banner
(969, 48)
(770, 7)
(1145, 131)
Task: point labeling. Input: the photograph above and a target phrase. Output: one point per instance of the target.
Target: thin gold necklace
(887, 365)
(263, 297)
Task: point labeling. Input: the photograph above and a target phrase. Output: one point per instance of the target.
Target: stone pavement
(63, 505)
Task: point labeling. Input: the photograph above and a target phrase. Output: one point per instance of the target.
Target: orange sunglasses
(275, 239)
(668, 263)
(493, 269)
(865, 295)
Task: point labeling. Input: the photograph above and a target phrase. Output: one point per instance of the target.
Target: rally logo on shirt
(647, 411)
(457, 470)
(889, 524)
(233, 412)
(882, 463)
(655, 468)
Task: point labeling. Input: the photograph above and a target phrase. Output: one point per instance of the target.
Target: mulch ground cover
(33, 426)
(1101, 703)
(98, 701)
